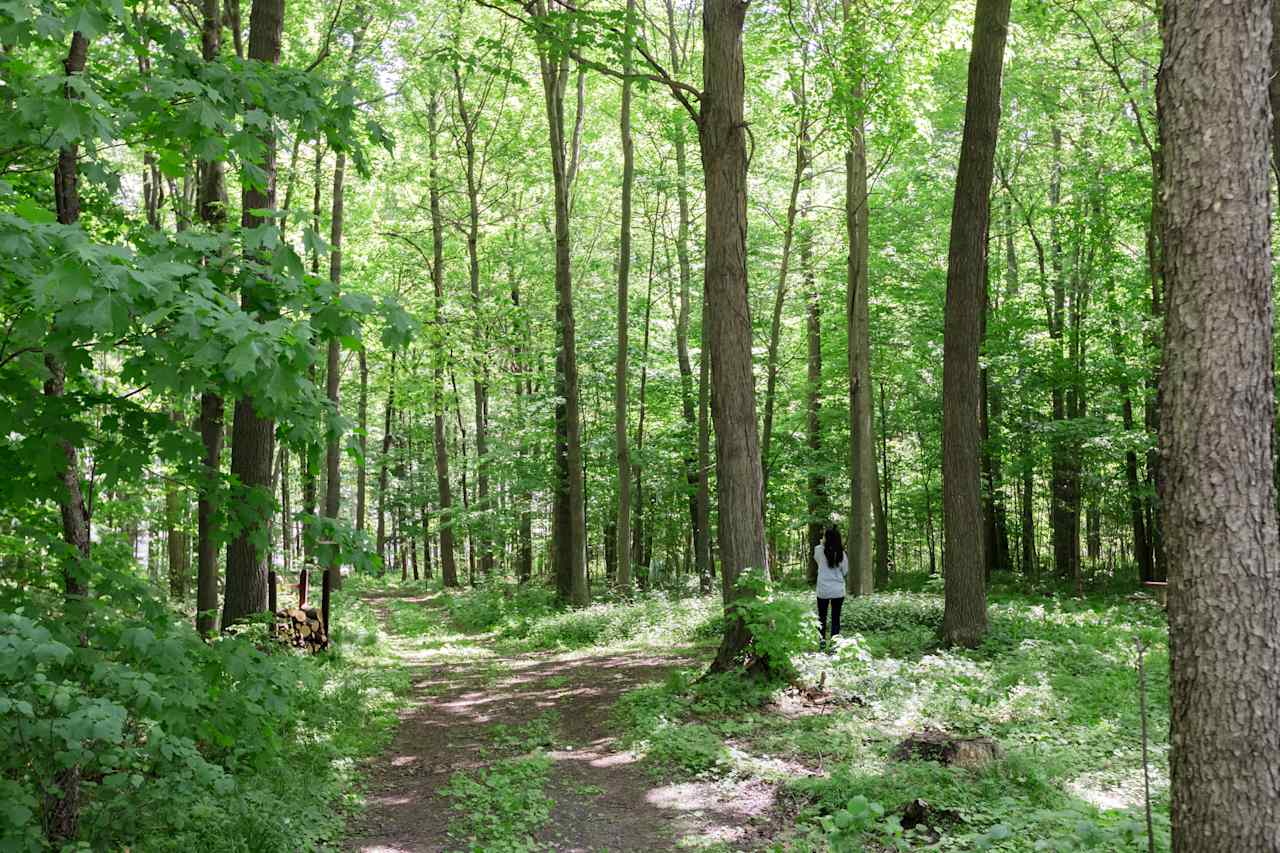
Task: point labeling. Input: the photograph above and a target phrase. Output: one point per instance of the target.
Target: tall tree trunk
(332, 456)
(448, 566)
(568, 513)
(480, 386)
(62, 810)
(880, 504)
(253, 436)
(622, 532)
(1217, 417)
(75, 516)
(362, 476)
(862, 468)
(817, 498)
(388, 439)
(739, 477)
(695, 465)
(965, 614)
(639, 541)
(524, 391)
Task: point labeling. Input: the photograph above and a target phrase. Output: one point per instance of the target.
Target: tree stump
(972, 753)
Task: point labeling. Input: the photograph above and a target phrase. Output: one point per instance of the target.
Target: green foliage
(180, 744)
(692, 748)
(781, 625)
(501, 806)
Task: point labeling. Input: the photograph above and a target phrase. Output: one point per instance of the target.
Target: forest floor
(529, 727)
(460, 773)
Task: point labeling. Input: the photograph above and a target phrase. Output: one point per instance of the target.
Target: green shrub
(691, 747)
(179, 744)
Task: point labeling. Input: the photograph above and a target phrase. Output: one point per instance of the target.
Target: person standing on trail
(833, 568)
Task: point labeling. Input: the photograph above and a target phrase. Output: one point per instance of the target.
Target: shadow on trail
(604, 800)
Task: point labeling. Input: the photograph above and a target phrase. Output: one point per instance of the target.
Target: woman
(833, 568)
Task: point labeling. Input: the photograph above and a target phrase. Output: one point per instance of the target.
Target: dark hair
(832, 547)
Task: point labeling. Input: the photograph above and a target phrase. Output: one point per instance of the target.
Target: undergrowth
(179, 744)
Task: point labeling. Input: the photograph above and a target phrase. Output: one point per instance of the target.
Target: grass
(1054, 684)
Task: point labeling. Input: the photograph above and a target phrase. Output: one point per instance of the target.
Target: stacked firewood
(302, 628)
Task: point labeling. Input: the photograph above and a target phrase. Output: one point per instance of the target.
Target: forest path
(464, 696)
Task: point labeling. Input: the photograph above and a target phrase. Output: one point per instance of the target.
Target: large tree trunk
(739, 478)
(568, 512)
(448, 566)
(1217, 414)
(253, 436)
(965, 615)
(622, 531)
(480, 386)
(862, 468)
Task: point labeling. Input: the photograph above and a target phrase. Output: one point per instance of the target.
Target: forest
(439, 425)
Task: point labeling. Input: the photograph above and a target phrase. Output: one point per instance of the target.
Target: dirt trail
(604, 800)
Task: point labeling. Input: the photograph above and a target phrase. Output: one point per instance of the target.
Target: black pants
(836, 604)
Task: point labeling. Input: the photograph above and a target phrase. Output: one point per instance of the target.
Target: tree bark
(75, 516)
(388, 439)
(253, 436)
(1217, 416)
(862, 469)
(362, 475)
(965, 613)
(622, 532)
(739, 477)
(480, 386)
(448, 566)
(568, 513)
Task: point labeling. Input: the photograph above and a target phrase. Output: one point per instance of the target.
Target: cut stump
(971, 753)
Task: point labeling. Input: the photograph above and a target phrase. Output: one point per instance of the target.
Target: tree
(1218, 419)
(621, 437)
(965, 615)
(739, 477)
(568, 512)
(253, 432)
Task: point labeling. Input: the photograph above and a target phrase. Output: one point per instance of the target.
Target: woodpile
(302, 628)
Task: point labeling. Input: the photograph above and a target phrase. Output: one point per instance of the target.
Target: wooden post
(302, 588)
(271, 591)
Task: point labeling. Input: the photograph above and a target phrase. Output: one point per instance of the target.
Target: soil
(605, 798)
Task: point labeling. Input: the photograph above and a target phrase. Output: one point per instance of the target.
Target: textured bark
(568, 511)
(640, 551)
(253, 436)
(480, 386)
(75, 516)
(622, 531)
(332, 376)
(177, 540)
(448, 566)
(965, 614)
(1217, 417)
(862, 467)
(384, 462)
(739, 478)
(211, 432)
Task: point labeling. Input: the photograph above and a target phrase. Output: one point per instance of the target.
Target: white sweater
(830, 578)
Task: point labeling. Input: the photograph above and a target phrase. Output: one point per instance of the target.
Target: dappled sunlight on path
(465, 697)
